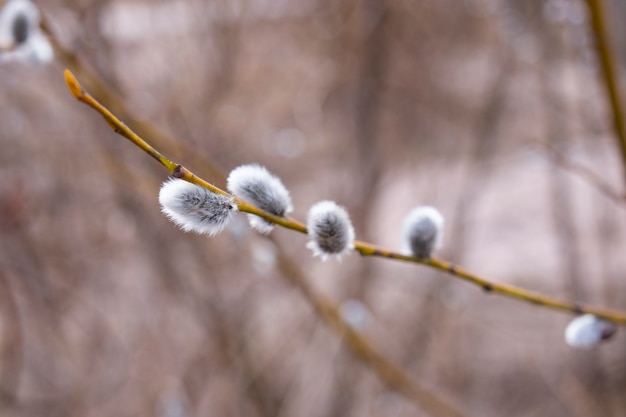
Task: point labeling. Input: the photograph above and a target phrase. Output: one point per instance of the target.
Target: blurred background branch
(610, 74)
(584, 173)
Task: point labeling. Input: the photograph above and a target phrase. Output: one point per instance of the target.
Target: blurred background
(107, 309)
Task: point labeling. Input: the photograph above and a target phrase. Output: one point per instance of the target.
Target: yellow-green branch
(364, 248)
(607, 64)
(115, 103)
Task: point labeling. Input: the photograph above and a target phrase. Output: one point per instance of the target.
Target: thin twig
(364, 248)
(389, 372)
(610, 75)
(585, 174)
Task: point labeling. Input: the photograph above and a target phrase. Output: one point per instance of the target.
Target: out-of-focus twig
(393, 375)
(12, 352)
(364, 248)
(585, 174)
(610, 75)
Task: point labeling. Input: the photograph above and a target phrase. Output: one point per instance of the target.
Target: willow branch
(387, 371)
(364, 248)
(610, 75)
(359, 346)
(115, 103)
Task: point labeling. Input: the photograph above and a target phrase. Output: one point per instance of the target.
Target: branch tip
(72, 83)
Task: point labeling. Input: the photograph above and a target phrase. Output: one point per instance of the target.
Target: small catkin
(423, 230)
(194, 208)
(587, 331)
(256, 185)
(330, 230)
(21, 34)
(17, 19)
(19, 29)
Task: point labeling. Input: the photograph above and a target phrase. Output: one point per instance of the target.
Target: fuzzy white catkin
(330, 230)
(423, 231)
(21, 35)
(587, 331)
(194, 208)
(256, 185)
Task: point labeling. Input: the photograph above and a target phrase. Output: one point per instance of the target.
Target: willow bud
(21, 39)
(423, 230)
(587, 331)
(330, 230)
(256, 185)
(194, 208)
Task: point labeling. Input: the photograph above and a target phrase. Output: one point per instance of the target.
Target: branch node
(179, 171)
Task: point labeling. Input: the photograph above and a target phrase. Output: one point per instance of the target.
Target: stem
(510, 291)
(118, 126)
(607, 62)
(115, 103)
(364, 248)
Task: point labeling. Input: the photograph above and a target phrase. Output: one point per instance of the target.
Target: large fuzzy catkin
(587, 331)
(423, 231)
(330, 230)
(256, 185)
(194, 208)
